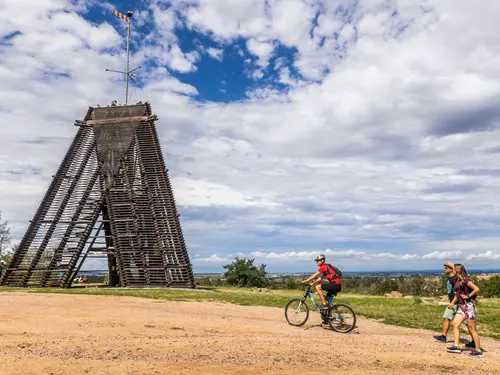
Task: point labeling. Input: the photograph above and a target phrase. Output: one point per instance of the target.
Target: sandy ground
(70, 334)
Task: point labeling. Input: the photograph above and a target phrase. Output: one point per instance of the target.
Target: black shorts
(331, 289)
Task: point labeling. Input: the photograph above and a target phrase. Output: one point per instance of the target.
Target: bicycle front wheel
(296, 312)
(341, 318)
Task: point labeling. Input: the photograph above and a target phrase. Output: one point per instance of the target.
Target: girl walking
(465, 293)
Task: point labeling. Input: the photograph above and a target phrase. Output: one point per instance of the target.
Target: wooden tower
(112, 185)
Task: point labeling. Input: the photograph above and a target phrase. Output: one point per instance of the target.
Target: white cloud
(262, 49)
(257, 74)
(171, 84)
(443, 255)
(216, 53)
(489, 255)
(333, 255)
(180, 61)
(409, 257)
(212, 259)
(327, 25)
(306, 255)
(205, 193)
(160, 81)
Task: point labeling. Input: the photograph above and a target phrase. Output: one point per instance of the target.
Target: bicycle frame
(310, 295)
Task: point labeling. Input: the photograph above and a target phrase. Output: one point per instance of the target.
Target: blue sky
(365, 130)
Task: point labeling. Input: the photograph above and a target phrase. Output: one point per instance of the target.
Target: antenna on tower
(127, 72)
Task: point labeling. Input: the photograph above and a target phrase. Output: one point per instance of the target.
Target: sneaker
(454, 349)
(476, 353)
(323, 306)
(440, 338)
(470, 344)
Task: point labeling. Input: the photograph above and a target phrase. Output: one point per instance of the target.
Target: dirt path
(74, 334)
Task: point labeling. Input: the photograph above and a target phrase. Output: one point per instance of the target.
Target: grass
(403, 312)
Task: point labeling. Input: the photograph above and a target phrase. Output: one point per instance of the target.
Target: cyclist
(325, 270)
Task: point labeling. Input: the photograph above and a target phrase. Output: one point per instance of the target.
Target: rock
(388, 295)
(408, 297)
(396, 294)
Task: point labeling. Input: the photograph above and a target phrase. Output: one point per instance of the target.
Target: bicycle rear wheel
(296, 312)
(341, 318)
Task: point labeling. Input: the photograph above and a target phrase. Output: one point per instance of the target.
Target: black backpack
(338, 272)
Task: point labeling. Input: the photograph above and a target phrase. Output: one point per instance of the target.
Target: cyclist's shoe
(440, 338)
(454, 349)
(323, 306)
(470, 344)
(476, 353)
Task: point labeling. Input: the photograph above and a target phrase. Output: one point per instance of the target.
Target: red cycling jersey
(330, 274)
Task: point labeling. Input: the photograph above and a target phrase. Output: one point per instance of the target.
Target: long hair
(461, 272)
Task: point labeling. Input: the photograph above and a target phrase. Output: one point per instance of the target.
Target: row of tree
(243, 272)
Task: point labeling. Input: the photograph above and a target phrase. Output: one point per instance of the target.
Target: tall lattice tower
(113, 187)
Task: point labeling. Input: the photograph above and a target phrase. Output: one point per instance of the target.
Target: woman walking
(465, 293)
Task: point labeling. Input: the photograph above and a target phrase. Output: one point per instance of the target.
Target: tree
(242, 272)
(4, 236)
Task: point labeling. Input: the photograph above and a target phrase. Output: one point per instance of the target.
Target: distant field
(396, 311)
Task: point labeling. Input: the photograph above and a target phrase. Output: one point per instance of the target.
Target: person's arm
(313, 276)
(452, 303)
(475, 290)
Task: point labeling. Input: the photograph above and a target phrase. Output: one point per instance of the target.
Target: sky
(365, 130)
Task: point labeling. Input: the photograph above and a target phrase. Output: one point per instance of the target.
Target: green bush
(211, 281)
(489, 288)
(291, 284)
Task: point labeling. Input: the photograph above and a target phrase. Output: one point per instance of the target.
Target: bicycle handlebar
(309, 285)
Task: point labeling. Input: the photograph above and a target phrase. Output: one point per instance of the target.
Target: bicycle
(338, 316)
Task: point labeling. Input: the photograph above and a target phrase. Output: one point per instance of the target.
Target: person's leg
(446, 326)
(331, 289)
(455, 348)
(471, 325)
(321, 295)
(459, 318)
(448, 316)
(470, 344)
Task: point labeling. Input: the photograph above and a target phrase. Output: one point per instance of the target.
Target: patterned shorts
(450, 313)
(468, 310)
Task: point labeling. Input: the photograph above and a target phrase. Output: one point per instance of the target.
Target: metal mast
(127, 72)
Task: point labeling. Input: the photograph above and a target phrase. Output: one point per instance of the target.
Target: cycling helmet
(319, 257)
